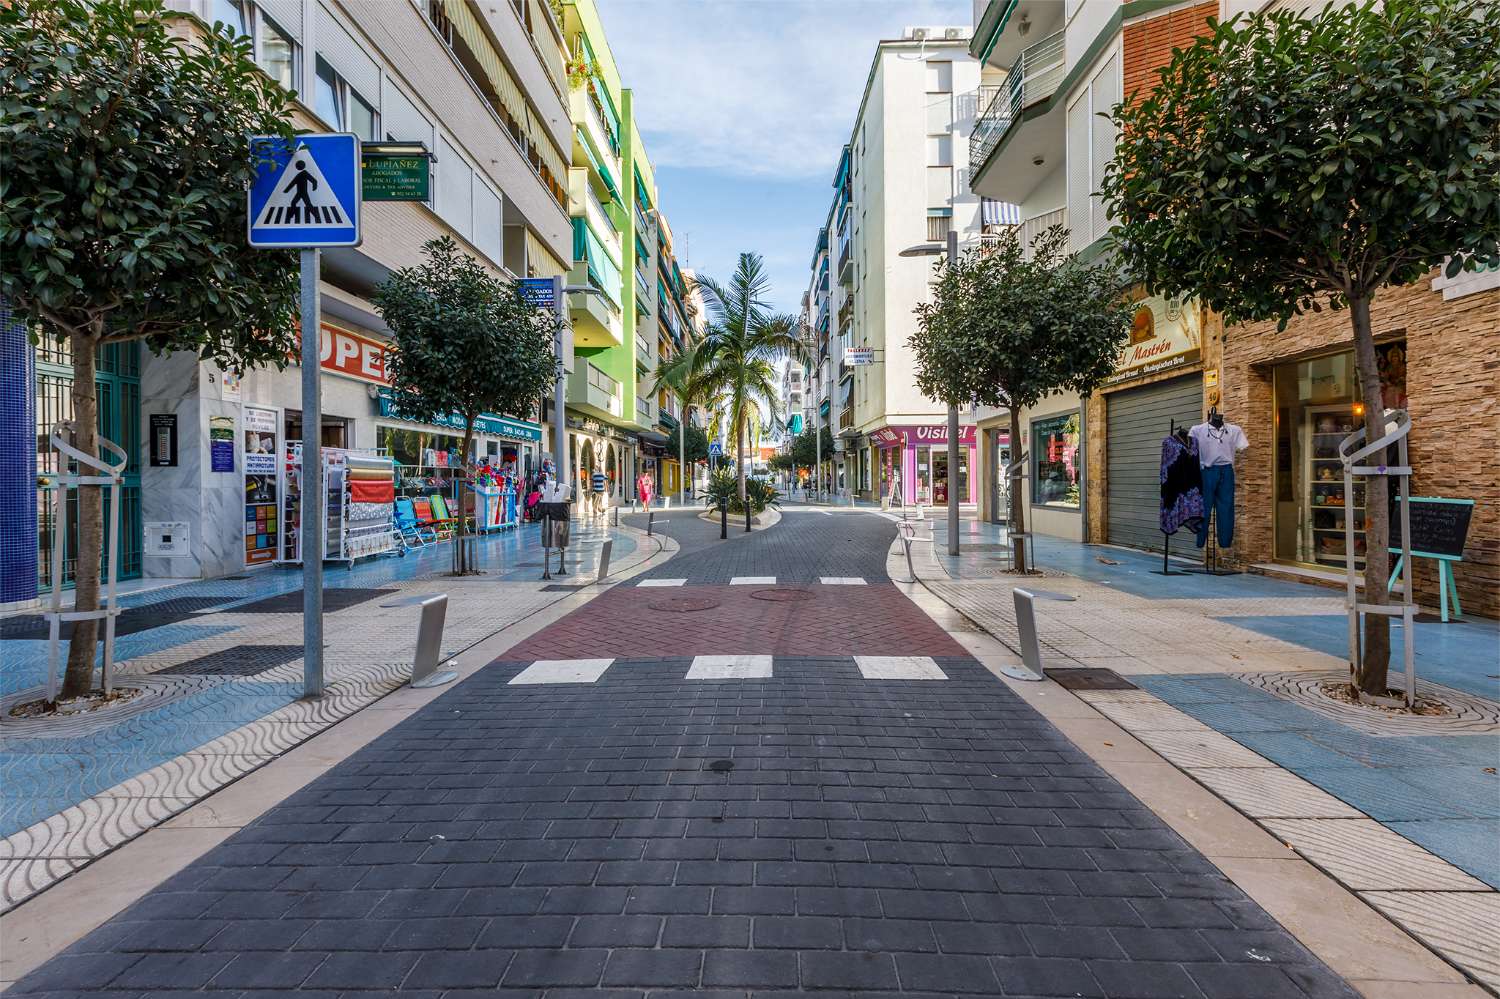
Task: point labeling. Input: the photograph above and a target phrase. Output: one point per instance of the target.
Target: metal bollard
(906, 540)
(724, 522)
(424, 669)
(1031, 648)
(650, 522)
(604, 551)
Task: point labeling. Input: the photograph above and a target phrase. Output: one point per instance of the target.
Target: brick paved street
(856, 808)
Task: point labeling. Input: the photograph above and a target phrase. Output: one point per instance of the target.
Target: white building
(901, 183)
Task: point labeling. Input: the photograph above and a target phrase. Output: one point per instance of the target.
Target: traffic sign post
(307, 196)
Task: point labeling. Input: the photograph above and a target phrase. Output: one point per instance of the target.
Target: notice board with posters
(1439, 526)
(261, 428)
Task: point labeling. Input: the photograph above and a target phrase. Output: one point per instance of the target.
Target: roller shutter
(1136, 421)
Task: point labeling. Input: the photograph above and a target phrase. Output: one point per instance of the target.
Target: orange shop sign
(352, 355)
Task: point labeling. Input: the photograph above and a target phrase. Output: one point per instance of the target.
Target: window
(1056, 461)
(938, 224)
(940, 150)
(939, 185)
(939, 77)
(341, 106)
(272, 47)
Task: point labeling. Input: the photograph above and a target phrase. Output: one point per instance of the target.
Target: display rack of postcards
(1323, 540)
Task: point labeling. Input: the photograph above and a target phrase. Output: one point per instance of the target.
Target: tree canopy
(1282, 162)
(695, 447)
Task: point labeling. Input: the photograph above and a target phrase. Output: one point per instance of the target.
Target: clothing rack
(1166, 547)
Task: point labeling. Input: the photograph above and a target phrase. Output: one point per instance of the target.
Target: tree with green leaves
(693, 449)
(804, 451)
(466, 343)
(1008, 328)
(1286, 163)
(124, 159)
(734, 361)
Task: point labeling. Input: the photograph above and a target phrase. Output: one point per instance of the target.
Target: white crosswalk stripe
(842, 580)
(753, 581)
(729, 668)
(899, 668)
(662, 582)
(562, 671)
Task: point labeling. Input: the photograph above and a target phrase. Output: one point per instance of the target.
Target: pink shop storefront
(917, 457)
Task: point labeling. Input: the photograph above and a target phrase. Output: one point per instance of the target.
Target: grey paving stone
(946, 973)
(267, 971)
(653, 968)
(549, 968)
(1045, 976)
(750, 969)
(362, 971)
(861, 971)
(616, 931)
(1146, 980)
(798, 932)
(478, 969)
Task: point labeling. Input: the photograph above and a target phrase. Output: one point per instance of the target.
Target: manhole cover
(782, 594)
(682, 605)
(1089, 679)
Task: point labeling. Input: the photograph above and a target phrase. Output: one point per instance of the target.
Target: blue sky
(745, 106)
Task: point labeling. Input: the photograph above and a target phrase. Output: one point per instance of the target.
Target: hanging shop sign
(395, 172)
(918, 434)
(857, 356)
(163, 440)
(486, 423)
(221, 443)
(1164, 334)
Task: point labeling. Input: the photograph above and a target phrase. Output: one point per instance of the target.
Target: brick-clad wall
(1148, 44)
(1453, 386)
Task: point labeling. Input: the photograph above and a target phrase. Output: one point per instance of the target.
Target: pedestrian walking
(645, 489)
(600, 491)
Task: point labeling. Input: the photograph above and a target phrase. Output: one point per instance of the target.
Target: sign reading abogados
(396, 178)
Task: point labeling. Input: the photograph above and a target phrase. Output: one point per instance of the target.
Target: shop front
(913, 459)
(598, 447)
(1158, 385)
(1299, 388)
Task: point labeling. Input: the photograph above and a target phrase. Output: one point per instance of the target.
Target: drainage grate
(683, 605)
(335, 598)
(720, 766)
(562, 588)
(247, 660)
(1089, 679)
(782, 594)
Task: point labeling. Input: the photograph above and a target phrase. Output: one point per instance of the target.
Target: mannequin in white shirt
(1219, 443)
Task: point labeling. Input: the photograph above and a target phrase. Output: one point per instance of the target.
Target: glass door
(939, 475)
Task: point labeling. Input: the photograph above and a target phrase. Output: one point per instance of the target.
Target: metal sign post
(306, 196)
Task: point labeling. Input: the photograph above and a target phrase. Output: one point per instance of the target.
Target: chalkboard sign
(1438, 526)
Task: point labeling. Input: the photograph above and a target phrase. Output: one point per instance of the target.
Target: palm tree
(734, 360)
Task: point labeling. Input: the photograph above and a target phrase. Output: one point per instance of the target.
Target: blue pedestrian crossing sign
(306, 193)
(715, 449)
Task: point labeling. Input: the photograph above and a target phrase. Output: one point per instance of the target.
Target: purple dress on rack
(1181, 485)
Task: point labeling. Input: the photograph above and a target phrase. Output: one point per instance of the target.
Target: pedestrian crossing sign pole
(306, 196)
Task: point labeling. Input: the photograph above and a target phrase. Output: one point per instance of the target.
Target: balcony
(1031, 79)
(1038, 224)
(846, 254)
(594, 392)
(645, 411)
(643, 352)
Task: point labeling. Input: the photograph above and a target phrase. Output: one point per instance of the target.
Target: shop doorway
(1000, 484)
(335, 431)
(1136, 421)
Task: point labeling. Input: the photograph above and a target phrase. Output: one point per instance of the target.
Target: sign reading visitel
(395, 178)
(1162, 329)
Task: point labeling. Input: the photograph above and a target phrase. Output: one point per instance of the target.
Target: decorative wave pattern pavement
(221, 695)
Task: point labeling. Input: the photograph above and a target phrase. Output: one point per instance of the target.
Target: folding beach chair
(412, 533)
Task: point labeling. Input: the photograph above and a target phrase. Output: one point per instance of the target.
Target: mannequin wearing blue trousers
(1218, 498)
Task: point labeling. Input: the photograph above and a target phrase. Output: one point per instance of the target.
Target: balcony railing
(1038, 224)
(1033, 77)
(589, 386)
(643, 351)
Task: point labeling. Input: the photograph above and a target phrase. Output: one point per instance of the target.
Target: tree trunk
(1370, 675)
(79, 677)
(1017, 508)
(739, 448)
(461, 529)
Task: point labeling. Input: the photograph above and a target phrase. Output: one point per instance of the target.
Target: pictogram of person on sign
(303, 182)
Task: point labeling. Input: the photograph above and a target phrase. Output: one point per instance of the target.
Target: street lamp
(951, 253)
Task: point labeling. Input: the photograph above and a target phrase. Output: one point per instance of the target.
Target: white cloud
(760, 88)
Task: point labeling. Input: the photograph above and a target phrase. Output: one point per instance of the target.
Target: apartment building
(1049, 70)
(634, 314)
(900, 186)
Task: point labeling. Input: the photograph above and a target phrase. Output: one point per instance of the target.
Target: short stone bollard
(604, 552)
(424, 668)
(1031, 648)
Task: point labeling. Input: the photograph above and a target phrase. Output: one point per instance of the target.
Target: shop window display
(1056, 461)
(1317, 406)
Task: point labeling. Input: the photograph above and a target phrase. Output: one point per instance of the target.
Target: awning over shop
(487, 423)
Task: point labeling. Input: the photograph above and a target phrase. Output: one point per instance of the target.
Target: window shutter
(455, 190)
(287, 14)
(939, 113)
(1080, 219)
(541, 259)
(1106, 94)
(939, 186)
(487, 222)
(401, 120)
(347, 56)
